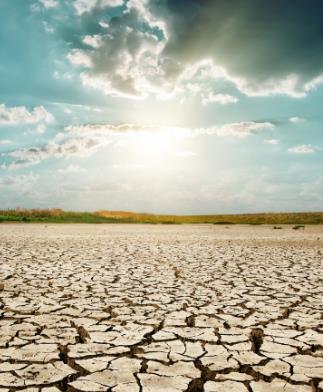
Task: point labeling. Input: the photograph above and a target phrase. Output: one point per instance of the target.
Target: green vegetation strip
(60, 216)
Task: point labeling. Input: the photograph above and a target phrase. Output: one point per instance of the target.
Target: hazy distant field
(152, 308)
(60, 216)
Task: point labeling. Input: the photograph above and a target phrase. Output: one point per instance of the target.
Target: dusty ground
(160, 308)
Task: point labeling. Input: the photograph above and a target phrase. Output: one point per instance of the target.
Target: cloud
(79, 57)
(85, 140)
(259, 44)
(40, 129)
(272, 141)
(148, 46)
(95, 41)
(48, 27)
(75, 147)
(241, 129)
(303, 149)
(20, 115)
(123, 60)
(102, 129)
(222, 99)
(296, 120)
(84, 6)
(314, 83)
(4, 142)
(49, 3)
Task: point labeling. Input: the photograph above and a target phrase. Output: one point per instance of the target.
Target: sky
(163, 106)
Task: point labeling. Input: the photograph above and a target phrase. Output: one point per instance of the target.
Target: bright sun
(160, 147)
(154, 149)
(154, 144)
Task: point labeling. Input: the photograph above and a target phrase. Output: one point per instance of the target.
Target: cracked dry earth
(135, 308)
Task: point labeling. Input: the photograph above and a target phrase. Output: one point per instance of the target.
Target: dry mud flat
(160, 308)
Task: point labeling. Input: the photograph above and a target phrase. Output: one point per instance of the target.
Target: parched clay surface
(144, 308)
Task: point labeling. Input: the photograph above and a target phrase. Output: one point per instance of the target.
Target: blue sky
(161, 106)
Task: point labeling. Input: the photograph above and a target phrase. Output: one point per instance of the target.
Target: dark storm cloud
(252, 38)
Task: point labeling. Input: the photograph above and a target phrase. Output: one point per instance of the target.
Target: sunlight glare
(160, 144)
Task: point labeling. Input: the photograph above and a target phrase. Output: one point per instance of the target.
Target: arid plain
(151, 308)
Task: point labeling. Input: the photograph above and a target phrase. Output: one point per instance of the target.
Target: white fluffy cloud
(289, 85)
(79, 58)
(20, 115)
(124, 60)
(49, 3)
(303, 149)
(83, 6)
(4, 142)
(272, 141)
(296, 120)
(222, 99)
(95, 41)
